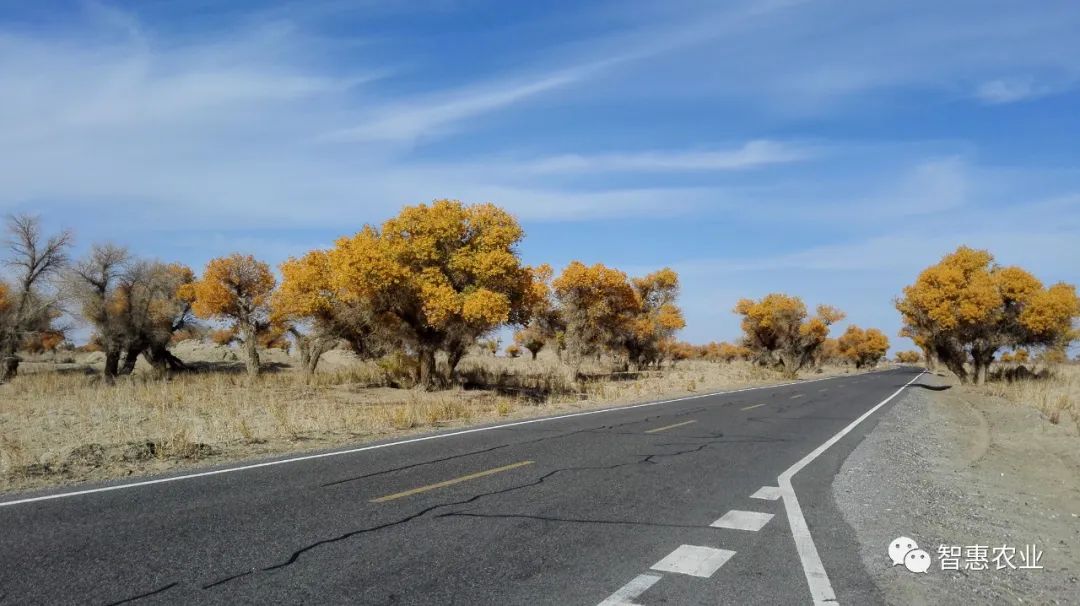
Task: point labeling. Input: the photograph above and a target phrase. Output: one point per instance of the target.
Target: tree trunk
(158, 363)
(956, 365)
(981, 360)
(162, 360)
(312, 360)
(534, 352)
(130, 358)
(9, 358)
(787, 365)
(453, 358)
(112, 364)
(311, 351)
(302, 343)
(427, 376)
(251, 351)
(9, 367)
(930, 358)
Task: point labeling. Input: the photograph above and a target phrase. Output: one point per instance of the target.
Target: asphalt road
(616, 506)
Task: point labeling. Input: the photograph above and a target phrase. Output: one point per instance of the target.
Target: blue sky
(827, 149)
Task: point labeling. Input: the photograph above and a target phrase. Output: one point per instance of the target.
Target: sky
(828, 149)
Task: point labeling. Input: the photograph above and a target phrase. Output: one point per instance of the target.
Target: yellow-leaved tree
(723, 352)
(1020, 356)
(545, 323)
(966, 307)
(829, 353)
(444, 274)
(658, 318)
(319, 314)
(780, 332)
(908, 357)
(236, 289)
(598, 306)
(863, 347)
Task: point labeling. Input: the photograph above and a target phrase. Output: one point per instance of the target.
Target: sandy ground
(949, 466)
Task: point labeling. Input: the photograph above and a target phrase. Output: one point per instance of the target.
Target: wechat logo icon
(906, 552)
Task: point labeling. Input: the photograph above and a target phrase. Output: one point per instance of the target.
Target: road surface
(675, 502)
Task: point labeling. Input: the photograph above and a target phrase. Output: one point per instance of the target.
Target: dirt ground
(951, 465)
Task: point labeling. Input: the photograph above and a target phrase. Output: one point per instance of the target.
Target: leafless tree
(33, 259)
(94, 283)
(133, 305)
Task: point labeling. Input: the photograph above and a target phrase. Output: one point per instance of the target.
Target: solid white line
(768, 493)
(694, 560)
(743, 520)
(338, 453)
(816, 577)
(639, 585)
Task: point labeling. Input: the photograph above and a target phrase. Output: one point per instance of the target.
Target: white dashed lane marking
(797, 396)
(743, 520)
(769, 493)
(667, 427)
(639, 585)
(694, 560)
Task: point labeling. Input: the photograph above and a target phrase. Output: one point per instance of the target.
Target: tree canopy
(237, 289)
(780, 333)
(863, 347)
(967, 307)
(443, 274)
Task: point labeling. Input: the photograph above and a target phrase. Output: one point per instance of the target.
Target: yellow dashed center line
(471, 476)
(659, 429)
(755, 406)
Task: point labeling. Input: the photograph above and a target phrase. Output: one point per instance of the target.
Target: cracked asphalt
(598, 503)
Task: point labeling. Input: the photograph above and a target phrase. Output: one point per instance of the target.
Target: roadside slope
(946, 466)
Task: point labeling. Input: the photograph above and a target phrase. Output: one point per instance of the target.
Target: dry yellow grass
(68, 427)
(1057, 396)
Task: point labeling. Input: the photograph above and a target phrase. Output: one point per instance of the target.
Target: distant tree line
(438, 279)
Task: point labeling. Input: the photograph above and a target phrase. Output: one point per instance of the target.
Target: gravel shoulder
(948, 466)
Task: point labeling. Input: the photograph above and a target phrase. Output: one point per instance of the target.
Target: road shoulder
(946, 466)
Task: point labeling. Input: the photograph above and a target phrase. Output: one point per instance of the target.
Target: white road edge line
(816, 577)
(637, 586)
(337, 453)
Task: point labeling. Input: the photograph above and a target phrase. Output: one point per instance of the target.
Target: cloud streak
(752, 154)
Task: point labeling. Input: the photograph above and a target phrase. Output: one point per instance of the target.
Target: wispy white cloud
(752, 154)
(999, 92)
(410, 120)
(821, 57)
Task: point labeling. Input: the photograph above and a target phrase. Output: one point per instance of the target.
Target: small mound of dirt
(40, 470)
(140, 451)
(87, 455)
(194, 450)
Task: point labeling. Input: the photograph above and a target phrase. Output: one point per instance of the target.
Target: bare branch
(34, 258)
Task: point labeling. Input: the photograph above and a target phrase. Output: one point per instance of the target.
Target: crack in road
(642, 459)
(145, 595)
(602, 429)
(466, 514)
